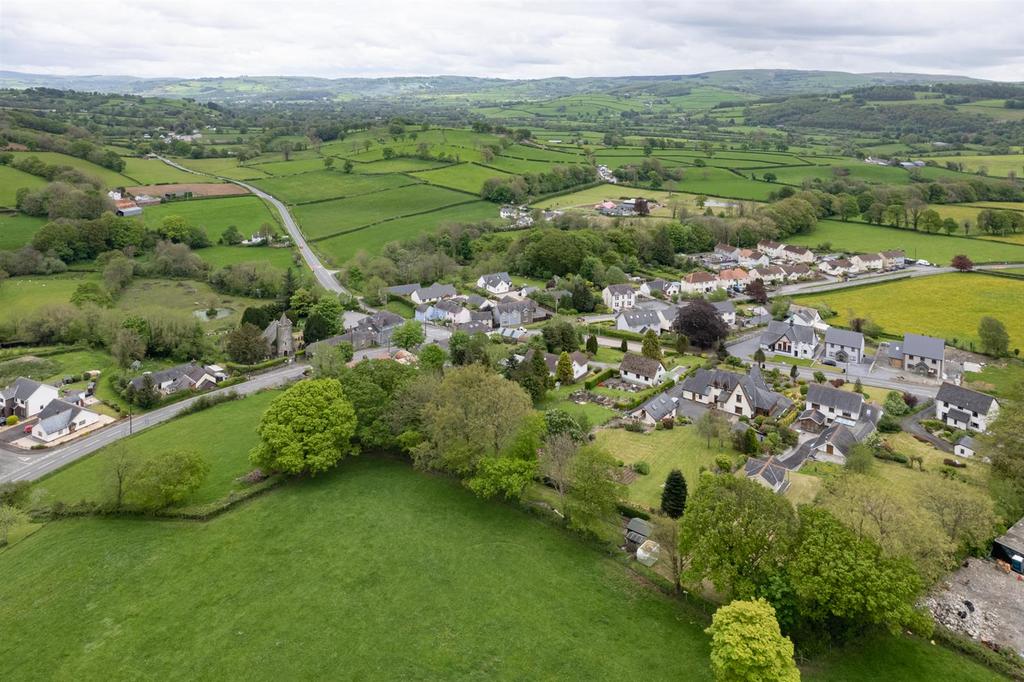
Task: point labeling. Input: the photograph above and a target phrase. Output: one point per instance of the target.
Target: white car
(923, 262)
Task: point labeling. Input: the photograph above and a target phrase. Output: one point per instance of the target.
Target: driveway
(912, 425)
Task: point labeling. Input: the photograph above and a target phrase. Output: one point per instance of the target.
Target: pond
(203, 313)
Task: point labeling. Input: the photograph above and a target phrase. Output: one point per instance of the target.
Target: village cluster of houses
(55, 416)
(522, 216)
(777, 263)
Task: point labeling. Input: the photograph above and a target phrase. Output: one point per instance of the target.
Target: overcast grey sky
(525, 39)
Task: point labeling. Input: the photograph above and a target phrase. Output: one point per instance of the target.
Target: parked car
(829, 361)
(27, 428)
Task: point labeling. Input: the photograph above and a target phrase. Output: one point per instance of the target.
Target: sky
(514, 39)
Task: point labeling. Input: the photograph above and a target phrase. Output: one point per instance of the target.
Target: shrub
(891, 456)
(723, 463)
(630, 511)
(635, 427)
(642, 468)
(887, 424)
(668, 423)
(595, 380)
(12, 420)
(207, 401)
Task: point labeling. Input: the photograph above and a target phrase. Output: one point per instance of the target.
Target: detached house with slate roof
(25, 398)
(60, 418)
(965, 409)
(639, 369)
(738, 394)
(619, 296)
(843, 345)
(435, 292)
(659, 286)
(579, 363)
(924, 355)
(834, 404)
(767, 472)
(639, 321)
(794, 340)
(495, 283)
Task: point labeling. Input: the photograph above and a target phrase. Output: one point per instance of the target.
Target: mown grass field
(229, 433)
(854, 169)
(226, 167)
(11, 180)
(414, 575)
(340, 248)
(948, 306)
(24, 295)
(110, 178)
(17, 229)
(467, 177)
(219, 256)
(247, 213)
(937, 248)
(154, 171)
(400, 165)
(330, 217)
(722, 183)
(995, 165)
(999, 378)
(320, 185)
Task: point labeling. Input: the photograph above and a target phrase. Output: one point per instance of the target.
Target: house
(189, 376)
(796, 271)
(797, 254)
(837, 267)
(659, 286)
(403, 290)
(513, 334)
(278, 335)
(579, 363)
(893, 259)
(453, 312)
(726, 251)
(835, 404)
(772, 249)
(435, 292)
(734, 277)
(794, 340)
(758, 315)
(698, 283)
(495, 283)
(833, 444)
(426, 312)
(511, 313)
(1009, 547)
(639, 369)
(843, 345)
(638, 321)
(379, 326)
(60, 418)
(658, 408)
(768, 274)
(726, 311)
(25, 398)
(924, 355)
(752, 258)
(965, 409)
(767, 472)
(868, 261)
(745, 395)
(473, 327)
(965, 447)
(619, 296)
(637, 532)
(805, 317)
(359, 339)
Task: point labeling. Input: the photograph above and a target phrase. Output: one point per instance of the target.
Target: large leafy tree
(371, 387)
(747, 645)
(736, 533)
(700, 323)
(167, 478)
(409, 335)
(994, 339)
(651, 347)
(561, 335)
(593, 493)
(307, 429)
(246, 345)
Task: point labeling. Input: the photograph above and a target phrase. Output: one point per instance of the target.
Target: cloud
(528, 39)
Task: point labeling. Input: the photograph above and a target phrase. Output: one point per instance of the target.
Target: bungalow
(868, 261)
(924, 355)
(512, 313)
(189, 376)
(726, 311)
(25, 398)
(744, 395)
(659, 286)
(473, 327)
(833, 444)
(735, 277)
(796, 271)
(728, 252)
(403, 290)
(772, 249)
(767, 472)
(279, 339)
(619, 296)
(965, 409)
(837, 267)
(835, 404)
(790, 339)
(434, 292)
(60, 418)
(698, 283)
(965, 447)
(769, 274)
(843, 345)
(579, 363)
(751, 258)
(495, 283)
(797, 254)
(893, 259)
(658, 408)
(639, 369)
(638, 321)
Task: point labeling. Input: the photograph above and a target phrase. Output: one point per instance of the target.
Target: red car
(28, 428)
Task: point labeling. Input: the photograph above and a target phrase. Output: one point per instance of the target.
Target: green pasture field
(229, 433)
(948, 306)
(937, 248)
(184, 298)
(226, 167)
(857, 170)
(219, 256)
(108, 177)
(467, 177)
(155, 171)
(993, 108)
(721, 183)
(17, 229)
(11, 180)
(520, 151)
(247, 213)
(330, 217)
(24, 295)
(340, 248)
(374, 550)
(996, 165)
(999, 378)
(330, 184)
(401, 165)
(1004, 205)
(519, 166)
(279, 168)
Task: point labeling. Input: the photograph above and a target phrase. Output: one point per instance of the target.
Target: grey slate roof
(840, 437)
(661, 405)
(436, 291)
(639, 365)
(754, 387)
(965, 398)
(57, 415)
(380, 321)
(924, 346)
(640, 318)
(21, 389)
(768, 469)
(403, 289)
(968, 442)
(844, 337)
(495, 278)
(640, 527)
(958, 415)
(619, 289)
(724, 307)
(796, 333)
(844, 401)
(474, 327)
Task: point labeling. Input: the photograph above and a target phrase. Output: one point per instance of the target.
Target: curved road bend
(28, 465)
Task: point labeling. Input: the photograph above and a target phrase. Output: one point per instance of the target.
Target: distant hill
(763, 82)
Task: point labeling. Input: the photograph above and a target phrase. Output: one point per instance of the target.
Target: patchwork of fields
(321, 185)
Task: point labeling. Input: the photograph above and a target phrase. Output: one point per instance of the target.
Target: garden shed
(637, 532)
(1009, 547)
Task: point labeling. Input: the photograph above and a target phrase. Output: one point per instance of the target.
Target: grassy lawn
(679, 448)
(998, 378)
(803, 488)
(155, 171)
(722, 183)
(323, 184)
(219, 256)
(17, 229)
(412, 593)
(559, 399)
(229, 433)
(937, 248)
(247, 213)
(226, 167)
(948, 306)
(467, 177)
(11, 180)
(976, 473)
(995, 165)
